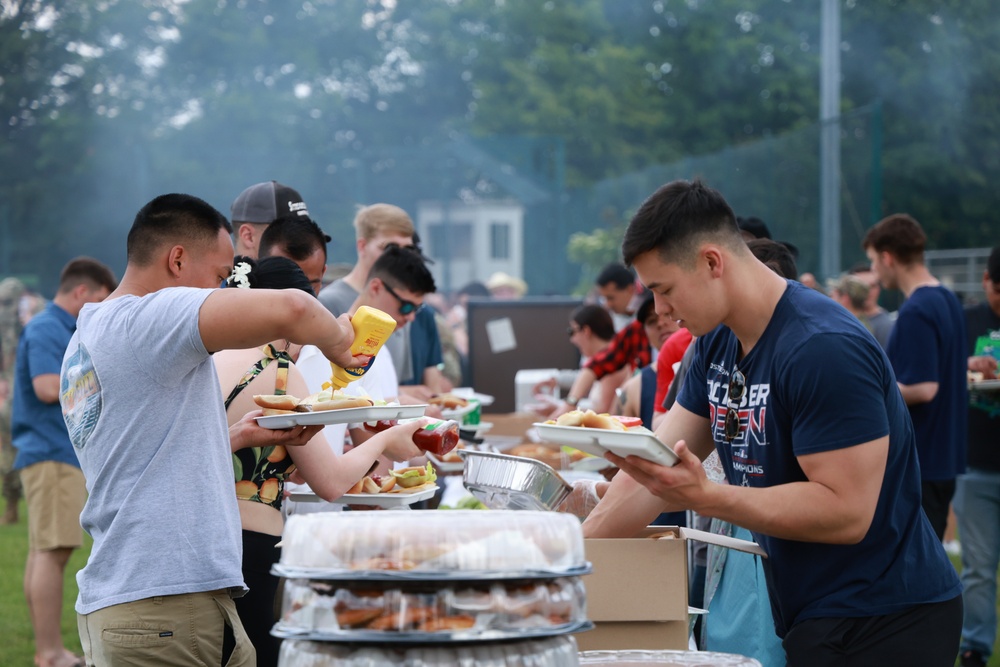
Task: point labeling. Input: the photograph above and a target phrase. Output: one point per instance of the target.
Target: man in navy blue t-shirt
(54, 488)
(802, 406)
(927, 351)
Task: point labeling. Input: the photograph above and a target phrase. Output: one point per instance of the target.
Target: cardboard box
(637, 595)
(511, 424)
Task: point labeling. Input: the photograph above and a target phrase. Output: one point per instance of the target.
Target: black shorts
(924, 636)
(935, 498)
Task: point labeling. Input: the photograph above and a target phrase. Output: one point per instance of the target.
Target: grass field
(17, 648)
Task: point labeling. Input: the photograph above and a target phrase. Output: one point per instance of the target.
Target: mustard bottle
(372, 328)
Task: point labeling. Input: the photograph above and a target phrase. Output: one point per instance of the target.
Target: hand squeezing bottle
(372, 328)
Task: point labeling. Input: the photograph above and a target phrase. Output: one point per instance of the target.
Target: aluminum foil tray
(551, 652)
(501, 481)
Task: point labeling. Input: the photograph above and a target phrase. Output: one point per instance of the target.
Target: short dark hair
(272, 273)
(646, 306)
(753, 226)
(993, 265)
(475, 289)
(899, 235)
(86, 271)
(776, 256)
(616, 273)
(596, 318)
(175, 219)
(403, 267)
(297, 237)
(676, 218)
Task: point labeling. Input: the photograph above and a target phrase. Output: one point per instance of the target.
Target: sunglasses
(405, 307)
(571, 330)
(737, 387)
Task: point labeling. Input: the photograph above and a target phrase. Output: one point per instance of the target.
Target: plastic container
(664, 659)
(372, 328)
(552, 652)
(454, 545)
(428, 611)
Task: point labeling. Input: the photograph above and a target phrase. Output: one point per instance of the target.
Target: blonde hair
(386, 219)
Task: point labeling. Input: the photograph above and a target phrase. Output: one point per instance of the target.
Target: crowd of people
(833, 433)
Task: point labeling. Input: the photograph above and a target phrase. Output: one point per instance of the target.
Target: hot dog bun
(276, 402)
(448, 401)
(342, 403)
(590, 419)
(371, 484)
(270, 412)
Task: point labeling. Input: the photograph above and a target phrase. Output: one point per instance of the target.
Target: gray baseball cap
(264, 203)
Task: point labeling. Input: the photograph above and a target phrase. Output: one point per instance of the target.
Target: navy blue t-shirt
(928, 344)
(817, 381)
(38, 430)
(425, 344)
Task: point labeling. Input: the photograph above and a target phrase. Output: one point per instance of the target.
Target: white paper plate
(638, 442)
(469, 393)
(345, 416)
(373, 499)
(458, 413)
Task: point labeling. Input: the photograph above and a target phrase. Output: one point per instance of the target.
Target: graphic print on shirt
(742, 452)
(987, 401)
(80, 396)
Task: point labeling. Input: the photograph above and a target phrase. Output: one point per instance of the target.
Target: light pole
(829, 152)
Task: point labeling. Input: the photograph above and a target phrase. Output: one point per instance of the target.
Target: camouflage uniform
(11, 290)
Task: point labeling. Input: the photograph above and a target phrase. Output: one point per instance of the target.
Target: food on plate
(543, 453)
(448, 401)
(591, 419)
(325, 400)
(447, 623)
(414, 478)
(328, 400)
(374, 484)
(283, 402)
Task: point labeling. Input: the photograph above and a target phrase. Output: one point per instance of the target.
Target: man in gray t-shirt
(141, 401)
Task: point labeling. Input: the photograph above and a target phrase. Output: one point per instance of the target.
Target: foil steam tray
(501, 481)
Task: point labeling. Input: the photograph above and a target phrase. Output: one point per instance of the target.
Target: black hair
(993, 265)
(616, 273)
(596, 318)
(271, 273)
(776, 256)
(298, 238)
(403, 267)
(86, 270)
(645, 306)
(900, 235)
(475, 289)
(860, 267)
(177, 219)
(676, 218)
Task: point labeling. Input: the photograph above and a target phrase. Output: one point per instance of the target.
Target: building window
(499, 240)
(451, 241)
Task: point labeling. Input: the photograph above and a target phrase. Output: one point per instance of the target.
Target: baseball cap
(264, 203)
(754, 226)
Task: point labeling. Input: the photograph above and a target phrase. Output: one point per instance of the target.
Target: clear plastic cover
(551, 652)
(664, 659)
(432, 545)
(428, 611)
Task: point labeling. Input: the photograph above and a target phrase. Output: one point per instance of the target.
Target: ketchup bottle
(436, 437)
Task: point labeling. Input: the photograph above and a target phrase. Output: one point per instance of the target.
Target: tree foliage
(106, 103)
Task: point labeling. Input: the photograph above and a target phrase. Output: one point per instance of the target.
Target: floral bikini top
(260, 472)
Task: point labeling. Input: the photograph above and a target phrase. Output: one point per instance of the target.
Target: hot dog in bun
(590, 419)
(414, 478)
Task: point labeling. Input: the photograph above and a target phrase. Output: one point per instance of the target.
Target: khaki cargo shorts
(55, 494)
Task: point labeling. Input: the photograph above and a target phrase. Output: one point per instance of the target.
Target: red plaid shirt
(629, 347)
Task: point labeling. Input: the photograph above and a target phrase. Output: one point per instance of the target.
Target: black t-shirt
(983, 333)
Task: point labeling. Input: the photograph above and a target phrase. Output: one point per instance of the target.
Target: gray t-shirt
(144, 409)
(338, 297)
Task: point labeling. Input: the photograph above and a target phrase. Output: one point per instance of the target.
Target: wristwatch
(570, 401)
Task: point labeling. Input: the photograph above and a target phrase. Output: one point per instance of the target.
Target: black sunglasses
(570, 331)
(405, 307)
(737, 386)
